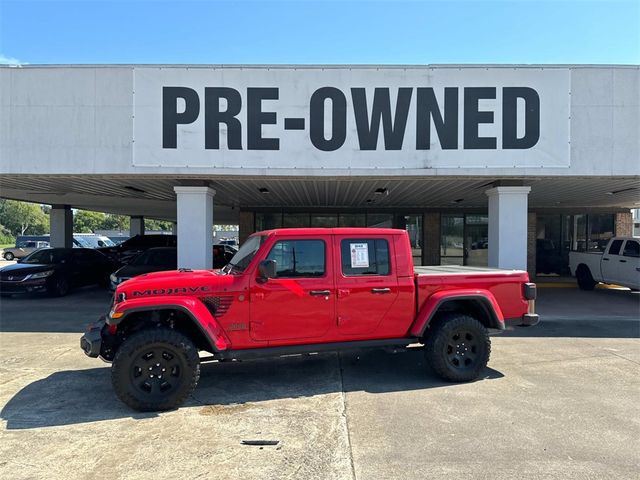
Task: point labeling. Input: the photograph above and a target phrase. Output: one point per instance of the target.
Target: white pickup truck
(618, 265)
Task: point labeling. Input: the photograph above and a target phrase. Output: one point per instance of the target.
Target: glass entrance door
(413, 225)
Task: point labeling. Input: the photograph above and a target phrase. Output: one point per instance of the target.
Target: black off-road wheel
(457, 347)
(155, 369)
(585, 279)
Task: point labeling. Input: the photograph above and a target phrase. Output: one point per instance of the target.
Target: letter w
(368, 128)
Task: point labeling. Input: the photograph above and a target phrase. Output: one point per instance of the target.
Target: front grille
(12, 278)
(218, 306)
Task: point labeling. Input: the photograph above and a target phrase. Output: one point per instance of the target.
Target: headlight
(48, 273)
(113, 278)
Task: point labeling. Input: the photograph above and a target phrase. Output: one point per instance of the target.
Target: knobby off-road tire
(155, 369)
(585, 279)
(457, 347)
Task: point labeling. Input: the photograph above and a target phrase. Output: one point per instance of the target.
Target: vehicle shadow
(82, 396)
(41, 313)
(573, 313)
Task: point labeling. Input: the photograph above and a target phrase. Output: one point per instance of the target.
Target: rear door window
(365, 256)
(631, 249)
(614, 249)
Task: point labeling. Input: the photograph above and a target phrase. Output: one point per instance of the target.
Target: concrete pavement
(559, 401)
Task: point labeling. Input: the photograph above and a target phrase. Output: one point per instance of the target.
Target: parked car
(293, 291)
(222, 254)
(55, 271)
(23, 249)
(619, 264)
(228, 241)
(126, 251)
(548, 257)
(153, 260)
(90, 240)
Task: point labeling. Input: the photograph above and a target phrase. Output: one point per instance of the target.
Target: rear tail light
(530, 291)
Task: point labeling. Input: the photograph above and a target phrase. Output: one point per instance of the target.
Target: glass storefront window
(352, 220)
(413, 225)
(600, 230)
(295, 220)
(579, 233)
(380, 220)
(268, 221)
(452, 238)
(324, 221)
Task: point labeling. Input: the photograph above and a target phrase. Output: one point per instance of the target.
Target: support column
(136, 226)
(61, 226)
(195, 235)
(431, 238)
(508, 227)
(624, 224)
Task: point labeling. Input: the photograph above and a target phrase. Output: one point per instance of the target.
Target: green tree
(85, 221)
(152, 224)
(22, 218)
(115, 222)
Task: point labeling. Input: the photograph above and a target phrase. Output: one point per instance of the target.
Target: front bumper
(91, 341)
(25, 286)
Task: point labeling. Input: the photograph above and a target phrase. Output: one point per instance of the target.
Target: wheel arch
(200, 326)
(480, 305)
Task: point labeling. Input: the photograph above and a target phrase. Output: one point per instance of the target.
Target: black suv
(129, 249)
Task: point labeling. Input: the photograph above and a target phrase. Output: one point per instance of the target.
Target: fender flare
(431, 306)
(192, 308)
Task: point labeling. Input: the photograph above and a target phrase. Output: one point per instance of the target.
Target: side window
(82, 257)
(365, 257)
(631, 249)
(614, 249)
(298, 258)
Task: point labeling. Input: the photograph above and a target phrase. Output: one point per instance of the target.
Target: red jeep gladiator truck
(296, 291)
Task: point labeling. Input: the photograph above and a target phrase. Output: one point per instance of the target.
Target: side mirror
(266, 270)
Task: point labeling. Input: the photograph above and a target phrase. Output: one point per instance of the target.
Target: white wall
(78, 120)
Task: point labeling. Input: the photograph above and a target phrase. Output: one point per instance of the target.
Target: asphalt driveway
(559, 401)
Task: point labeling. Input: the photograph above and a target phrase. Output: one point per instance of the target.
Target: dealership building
(506, 166)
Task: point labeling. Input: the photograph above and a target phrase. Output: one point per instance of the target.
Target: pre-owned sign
(351, 118)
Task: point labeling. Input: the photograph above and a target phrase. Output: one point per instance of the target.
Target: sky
(319, 32)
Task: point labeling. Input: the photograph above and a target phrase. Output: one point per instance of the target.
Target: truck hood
(179, 282)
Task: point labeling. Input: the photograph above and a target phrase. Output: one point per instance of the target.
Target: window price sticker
(359, 255)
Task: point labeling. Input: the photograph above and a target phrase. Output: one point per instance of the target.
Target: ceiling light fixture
(134, 189)
(615, 192)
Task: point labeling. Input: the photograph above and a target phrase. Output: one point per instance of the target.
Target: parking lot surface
(560, 400)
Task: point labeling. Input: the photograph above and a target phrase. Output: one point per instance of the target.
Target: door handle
(605, 259)
(623, 261)
(380, 290)
(320, 293)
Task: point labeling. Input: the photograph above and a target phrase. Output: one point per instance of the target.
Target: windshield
(48, 256)
(160, 258)
(243, 257)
